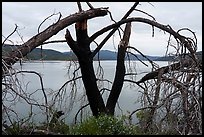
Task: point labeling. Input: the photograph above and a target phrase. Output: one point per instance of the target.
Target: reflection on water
(55, 74)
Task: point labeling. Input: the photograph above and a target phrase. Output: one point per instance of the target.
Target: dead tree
(81, 48)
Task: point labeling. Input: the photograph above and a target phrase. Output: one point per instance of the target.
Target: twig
(10, 34)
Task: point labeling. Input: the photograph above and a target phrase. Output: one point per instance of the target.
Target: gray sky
(28, 16)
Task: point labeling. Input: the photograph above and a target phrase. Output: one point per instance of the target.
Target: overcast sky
(28, 16)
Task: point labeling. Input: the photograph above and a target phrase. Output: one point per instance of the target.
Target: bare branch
(137, 58)
(95, 35)
(21, 37)
(54, 41)
(195, 43)
(127, 80)
(38, 39)
(47, 19)
(146, 14)
(90, 6)
(79, 6)
(64, 86)
(140, 53)
(185, 42)
(75, 118)
(139, 110)
(10, 34)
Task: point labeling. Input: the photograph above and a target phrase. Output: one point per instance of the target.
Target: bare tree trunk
(81, 48)
(120, 71)
(93, 94)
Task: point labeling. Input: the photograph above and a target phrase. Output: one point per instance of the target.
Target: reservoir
(72, 96)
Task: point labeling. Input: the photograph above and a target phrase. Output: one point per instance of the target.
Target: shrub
(103, 125)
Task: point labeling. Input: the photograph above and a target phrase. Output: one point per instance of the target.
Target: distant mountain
(111, 55)
(106, 55)
(48, 54)
(165, 58)
(169, 58)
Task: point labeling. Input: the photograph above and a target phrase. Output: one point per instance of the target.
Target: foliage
(104, 125)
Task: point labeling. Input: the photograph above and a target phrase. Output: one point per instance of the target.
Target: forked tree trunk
(81, 48)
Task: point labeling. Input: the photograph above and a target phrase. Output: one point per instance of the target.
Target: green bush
(103, 125)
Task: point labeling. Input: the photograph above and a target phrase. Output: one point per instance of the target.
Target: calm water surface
(55, 74)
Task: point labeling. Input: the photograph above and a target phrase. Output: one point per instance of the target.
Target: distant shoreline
(49, 54)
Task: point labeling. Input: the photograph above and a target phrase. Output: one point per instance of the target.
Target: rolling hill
(49, 54)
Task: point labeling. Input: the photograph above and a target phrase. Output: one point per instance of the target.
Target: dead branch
(95, 35)
(79, 6)
(130, 116)
(141, 54)
(75, 118)
(54, 41)
(47, 19)
(155, 101)
(173, 67)
(55, 97)
(184, 41)
(43, 90)
(10, 34)
(38, 39)
(28, 99)
(146, 14)
(128, 80)
(89, 4)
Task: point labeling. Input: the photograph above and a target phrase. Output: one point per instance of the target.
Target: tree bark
(120, 71)
(81, 48)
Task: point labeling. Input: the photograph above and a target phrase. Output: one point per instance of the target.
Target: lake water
(55, 74)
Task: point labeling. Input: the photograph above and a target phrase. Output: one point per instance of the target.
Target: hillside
(110, 55)
(48, 54)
